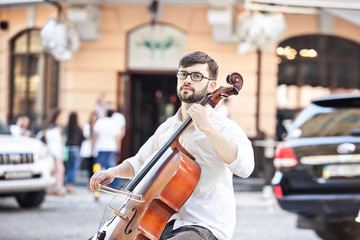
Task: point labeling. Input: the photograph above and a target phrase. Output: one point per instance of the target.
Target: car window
(327, 122)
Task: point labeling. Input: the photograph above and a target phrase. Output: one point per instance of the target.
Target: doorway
(152, 100)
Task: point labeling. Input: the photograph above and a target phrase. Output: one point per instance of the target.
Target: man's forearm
(123, 170)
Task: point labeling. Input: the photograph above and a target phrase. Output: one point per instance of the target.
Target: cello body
(177, 174)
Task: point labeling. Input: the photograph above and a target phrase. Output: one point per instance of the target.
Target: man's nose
(188, 78)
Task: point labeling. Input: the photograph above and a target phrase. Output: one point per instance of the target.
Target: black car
(318, 168)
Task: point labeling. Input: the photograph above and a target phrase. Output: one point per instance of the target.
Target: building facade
(133, 60)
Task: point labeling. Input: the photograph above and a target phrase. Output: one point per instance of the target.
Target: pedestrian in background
(55, 140)
(107, 141)
(121, 121)
(101, 105)
(22, 127)
(87, 150)
(74, 139)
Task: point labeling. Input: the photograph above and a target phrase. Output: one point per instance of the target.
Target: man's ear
(211, 86)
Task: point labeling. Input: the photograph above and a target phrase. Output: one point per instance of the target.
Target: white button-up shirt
(212, 204)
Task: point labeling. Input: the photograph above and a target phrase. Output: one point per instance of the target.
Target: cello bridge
(118, 213)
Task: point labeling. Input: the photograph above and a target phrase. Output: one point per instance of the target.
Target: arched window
(311, 66)
(33, 78)
(319, 60)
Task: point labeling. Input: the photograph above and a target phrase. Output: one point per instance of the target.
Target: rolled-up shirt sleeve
(244, 163)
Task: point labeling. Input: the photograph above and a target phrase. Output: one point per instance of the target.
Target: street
(259, 218)
(77, 216)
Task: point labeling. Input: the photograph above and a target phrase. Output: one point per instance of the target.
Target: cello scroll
(234, 79)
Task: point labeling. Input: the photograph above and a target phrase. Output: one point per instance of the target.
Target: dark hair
(74, 132)
(73, 121)
(200, 57)
(51, 118)
(109, 112)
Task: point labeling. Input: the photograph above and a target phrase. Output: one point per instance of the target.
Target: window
(312, 66)
(319, 60)
(33, 79)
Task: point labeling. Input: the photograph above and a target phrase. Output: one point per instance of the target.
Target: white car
(25, 168)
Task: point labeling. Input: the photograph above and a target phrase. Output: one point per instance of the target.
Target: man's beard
(192, 97)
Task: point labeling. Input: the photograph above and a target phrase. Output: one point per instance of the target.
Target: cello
(162, 186)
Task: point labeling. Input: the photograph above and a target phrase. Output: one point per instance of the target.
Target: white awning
(348, 10)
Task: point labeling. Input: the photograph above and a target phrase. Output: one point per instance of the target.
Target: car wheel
(339, 230)
(30, 199)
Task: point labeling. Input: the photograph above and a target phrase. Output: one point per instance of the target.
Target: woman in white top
(87, 150)
(55, 142)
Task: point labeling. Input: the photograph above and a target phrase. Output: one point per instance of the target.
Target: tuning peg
(235, 91)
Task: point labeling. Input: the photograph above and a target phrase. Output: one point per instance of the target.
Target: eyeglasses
(195, 76)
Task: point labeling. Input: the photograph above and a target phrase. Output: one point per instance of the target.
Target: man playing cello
(219, 145)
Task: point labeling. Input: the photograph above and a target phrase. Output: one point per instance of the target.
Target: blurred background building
(64, 53)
